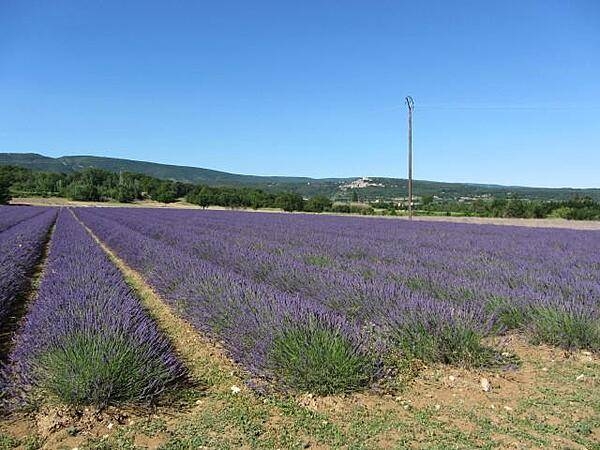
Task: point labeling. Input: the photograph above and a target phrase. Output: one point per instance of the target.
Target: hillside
(382, 188)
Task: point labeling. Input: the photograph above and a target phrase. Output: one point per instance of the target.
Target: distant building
(361, 183)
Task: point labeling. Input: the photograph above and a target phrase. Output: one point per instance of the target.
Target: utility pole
(411, 105)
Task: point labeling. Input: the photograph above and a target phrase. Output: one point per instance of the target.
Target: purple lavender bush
(316, 354)
(21, 247)
(86, 339)
(570, 326)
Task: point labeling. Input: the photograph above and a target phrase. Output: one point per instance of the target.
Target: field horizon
(519, 222)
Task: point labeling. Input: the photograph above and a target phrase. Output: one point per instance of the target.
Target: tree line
(91, 185)
(100, 185)
(576, 208)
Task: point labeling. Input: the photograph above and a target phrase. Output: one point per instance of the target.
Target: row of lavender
(452, 261)
(274, 334)
(289, 304)
(24, 233)
(86, 339)
(542, 279)
(13, 215)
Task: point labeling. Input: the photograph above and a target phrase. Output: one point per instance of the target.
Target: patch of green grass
(240, 423)
(122, 440)
(318, 260)
(150, 427)
(8, 442)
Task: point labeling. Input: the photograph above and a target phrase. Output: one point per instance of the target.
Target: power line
(489, 107)
(507, 107)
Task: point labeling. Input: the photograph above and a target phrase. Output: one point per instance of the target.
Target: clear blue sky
(506, 91)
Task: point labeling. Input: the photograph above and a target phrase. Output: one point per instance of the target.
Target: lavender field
(317, 304)
(297, 304)
(291, 297)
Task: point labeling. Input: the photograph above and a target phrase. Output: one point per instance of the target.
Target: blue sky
(506, 91)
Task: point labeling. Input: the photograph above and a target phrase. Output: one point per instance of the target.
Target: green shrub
(449, 345)
(567, 329)
(511, 314)
(94, 370)
(318, 360)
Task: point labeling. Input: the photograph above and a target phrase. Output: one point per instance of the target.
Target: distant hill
(67, 164)
(337, 188)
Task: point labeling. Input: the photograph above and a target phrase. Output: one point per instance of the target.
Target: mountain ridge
(383, 188)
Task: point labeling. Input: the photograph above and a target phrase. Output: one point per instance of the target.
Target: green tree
(4, 190)
(289, 201)
(166, 193)
(427, 200)
(515, 208)
(80, 190)
(124, 193)
(319, 203)
(201, 196)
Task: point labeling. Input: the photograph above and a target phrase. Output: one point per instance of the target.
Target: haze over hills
(372, 188)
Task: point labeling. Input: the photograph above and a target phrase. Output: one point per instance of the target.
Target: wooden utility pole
(411, 105)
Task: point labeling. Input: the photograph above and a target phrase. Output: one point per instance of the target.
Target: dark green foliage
(321, 361)
(427, 200)
(166, 193)
(307, 187)
(92, 369)
(94, 184)
(230, 197)
(289, 201)
(515, 207)
(124, 193)
(318, 203)
(352, 209)
(577, 208)
(4, 191)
